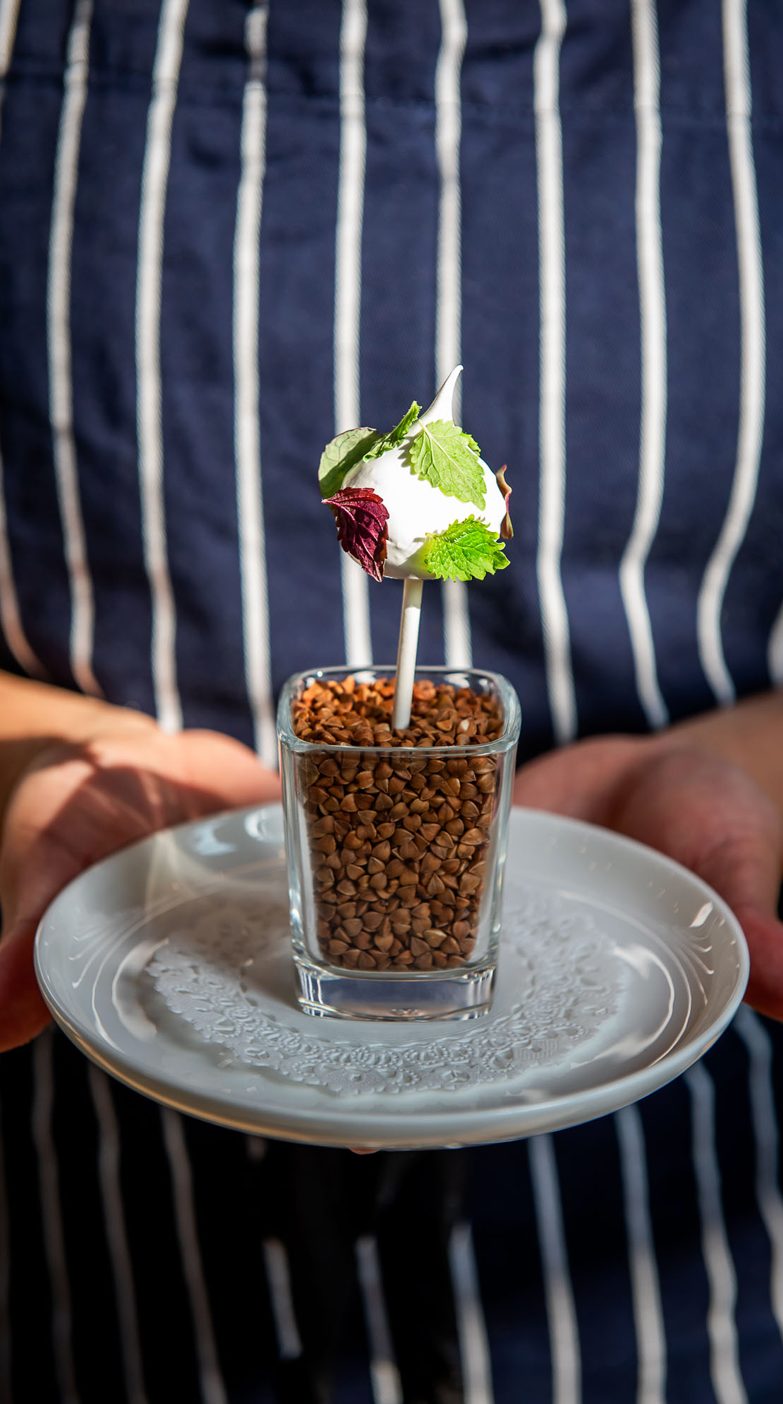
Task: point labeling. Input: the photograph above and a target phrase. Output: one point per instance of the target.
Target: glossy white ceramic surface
(170, 965)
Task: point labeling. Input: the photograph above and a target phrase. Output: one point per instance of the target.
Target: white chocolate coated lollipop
(420, 503)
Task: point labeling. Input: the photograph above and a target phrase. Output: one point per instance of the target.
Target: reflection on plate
(170, 965)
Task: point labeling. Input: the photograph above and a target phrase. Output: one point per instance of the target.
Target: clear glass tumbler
(395, 860)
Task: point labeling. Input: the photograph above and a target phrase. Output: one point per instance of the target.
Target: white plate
(169, 964)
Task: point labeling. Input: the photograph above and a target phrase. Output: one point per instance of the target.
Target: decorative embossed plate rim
(645, 902)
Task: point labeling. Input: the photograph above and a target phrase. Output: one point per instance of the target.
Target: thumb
(581, 780)
(711, 817)
(747, 875)
(225, 771)
(29, 884)
(764, 935)
(24, 1012)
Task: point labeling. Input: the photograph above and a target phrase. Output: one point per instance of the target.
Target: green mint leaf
(464, 551)
(396, 435)
(447, 457)
(342, 454)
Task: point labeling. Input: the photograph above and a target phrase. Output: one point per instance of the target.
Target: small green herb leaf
(396, 435)
(341, 455)
(464, 551)
(448, 458)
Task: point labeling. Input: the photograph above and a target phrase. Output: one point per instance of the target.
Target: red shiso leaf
(506, 529)
(361, 527)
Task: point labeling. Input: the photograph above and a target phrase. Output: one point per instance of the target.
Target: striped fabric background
(228, 231)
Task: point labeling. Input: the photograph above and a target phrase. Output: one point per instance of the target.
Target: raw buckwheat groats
(397, 841)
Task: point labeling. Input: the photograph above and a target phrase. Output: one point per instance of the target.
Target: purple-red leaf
(506, 529)
(361, 527)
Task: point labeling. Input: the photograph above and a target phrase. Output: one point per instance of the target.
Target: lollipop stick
(406, 652)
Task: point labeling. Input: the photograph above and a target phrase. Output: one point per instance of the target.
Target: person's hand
(695, 807)
(76, 803)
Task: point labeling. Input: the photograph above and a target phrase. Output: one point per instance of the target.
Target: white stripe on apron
(250, 505)
(753, 351)
(647, 1313)
(52, 1219)
(448, 313)
(116, 1233)
(721, 1327)
(765, 1129)
(471, 1327)
(157, 156)
(386, 1388)
(348, 284)
(58, 335)
(278, 1278)
(10, 617)
(213, 1390)
(561, 1311)
(549, 159)
(652, 316)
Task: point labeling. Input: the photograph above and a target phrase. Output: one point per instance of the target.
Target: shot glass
(395, 859)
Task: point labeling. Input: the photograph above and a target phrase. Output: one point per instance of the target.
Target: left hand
(77, 803)
(695, 807)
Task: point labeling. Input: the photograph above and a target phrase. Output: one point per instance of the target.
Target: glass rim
(512, 715)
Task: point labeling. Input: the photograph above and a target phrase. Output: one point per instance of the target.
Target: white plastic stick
(406, 653)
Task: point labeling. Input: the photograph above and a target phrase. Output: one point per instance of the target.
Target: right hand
(671, 792)
(75, 803)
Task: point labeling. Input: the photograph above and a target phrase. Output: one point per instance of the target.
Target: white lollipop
(418, 503)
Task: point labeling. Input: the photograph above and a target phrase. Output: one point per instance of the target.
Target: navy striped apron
(228, 231)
